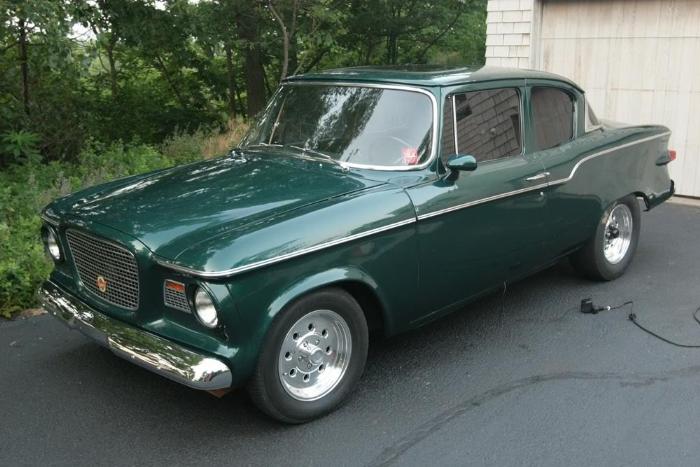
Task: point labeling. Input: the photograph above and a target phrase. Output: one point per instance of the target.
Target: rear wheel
(607, 254)
(312, 358)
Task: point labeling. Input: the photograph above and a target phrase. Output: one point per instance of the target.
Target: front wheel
(312, 358)
(607, 254)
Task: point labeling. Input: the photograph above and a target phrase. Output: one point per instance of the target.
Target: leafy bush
(183, 146)
(20, 146)
(26, 188)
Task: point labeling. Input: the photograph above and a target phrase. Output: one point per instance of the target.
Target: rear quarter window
(552, 117)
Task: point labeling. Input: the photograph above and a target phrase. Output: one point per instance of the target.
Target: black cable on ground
(633, 318)
(587, 307)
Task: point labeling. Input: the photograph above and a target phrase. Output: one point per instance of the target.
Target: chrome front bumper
(141, 347)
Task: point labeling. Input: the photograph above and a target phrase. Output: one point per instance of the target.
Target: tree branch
(422, 53)
(8, 47)
(285, 40)
(314, 62)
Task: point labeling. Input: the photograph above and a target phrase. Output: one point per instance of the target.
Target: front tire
(607, 254)
(312, 358)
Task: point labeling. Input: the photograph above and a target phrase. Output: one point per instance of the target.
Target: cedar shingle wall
(508, 31)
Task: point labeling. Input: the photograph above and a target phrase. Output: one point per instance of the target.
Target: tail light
(672, 154)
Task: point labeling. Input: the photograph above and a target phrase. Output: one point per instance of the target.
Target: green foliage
(20, 146)
(26, 188)
(80, 70)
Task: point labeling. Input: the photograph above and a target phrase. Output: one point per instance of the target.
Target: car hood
(170, 210)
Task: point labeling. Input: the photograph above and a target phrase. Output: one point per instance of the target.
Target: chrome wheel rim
(315, 355)
(618, 234)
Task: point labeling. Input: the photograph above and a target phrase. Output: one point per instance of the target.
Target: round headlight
(204, 309)
(52, 245)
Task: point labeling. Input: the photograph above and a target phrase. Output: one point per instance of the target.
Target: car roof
(427, 75)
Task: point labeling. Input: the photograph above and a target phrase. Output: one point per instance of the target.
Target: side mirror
(462, 162)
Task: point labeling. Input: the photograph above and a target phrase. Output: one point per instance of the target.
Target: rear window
(553, 117)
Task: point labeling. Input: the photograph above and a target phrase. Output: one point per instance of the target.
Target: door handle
(539, 176)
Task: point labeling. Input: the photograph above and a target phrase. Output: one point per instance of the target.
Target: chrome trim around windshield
(258, 264)
(157, 354)
(453, 99)
(541, 185)
(397, 87)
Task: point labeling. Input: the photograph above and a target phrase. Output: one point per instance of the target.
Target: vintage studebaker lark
(362, 199)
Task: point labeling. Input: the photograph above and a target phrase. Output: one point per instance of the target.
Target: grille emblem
(101, 283)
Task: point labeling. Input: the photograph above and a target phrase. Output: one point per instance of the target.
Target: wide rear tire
(608, 253)
(312, 358)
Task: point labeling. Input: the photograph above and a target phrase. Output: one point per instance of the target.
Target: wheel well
(644, 197)
(368, 301)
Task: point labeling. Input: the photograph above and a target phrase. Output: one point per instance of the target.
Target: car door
(478, 229)
(556, 114)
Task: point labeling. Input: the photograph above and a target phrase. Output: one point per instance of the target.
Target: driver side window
(487, 124)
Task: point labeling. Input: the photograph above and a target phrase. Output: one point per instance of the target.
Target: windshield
(363, 126)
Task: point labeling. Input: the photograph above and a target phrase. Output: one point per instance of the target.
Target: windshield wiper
(303, 150)
(264, 145)
(316, 153)
(312, 151)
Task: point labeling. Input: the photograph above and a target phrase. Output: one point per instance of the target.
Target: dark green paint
(250, 207)
(464, 163)
(428, 75)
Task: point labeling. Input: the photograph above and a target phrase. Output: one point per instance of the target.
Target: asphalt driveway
(519, 380)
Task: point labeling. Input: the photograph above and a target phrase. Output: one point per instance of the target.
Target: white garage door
(638, 60)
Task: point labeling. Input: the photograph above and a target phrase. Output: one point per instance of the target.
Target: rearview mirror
(463, 162)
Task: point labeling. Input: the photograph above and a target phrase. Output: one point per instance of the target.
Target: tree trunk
(24, 64)
(112, 66)
(231, 81)
(268, 88)
(369, 50)
(254, 74)
(392, 48)
(285, 40)
(160, 65)
(293, 55)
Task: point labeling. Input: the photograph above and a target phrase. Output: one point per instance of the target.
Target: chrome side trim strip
(248, 267)
(154, 353)
(542, 185)
(258, 264)
(603, 152)
(481, 201)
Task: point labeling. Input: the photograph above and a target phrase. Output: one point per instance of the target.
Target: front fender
(385, 264)
(326, 279)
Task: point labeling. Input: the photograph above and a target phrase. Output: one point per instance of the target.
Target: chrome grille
(102, 261)
(175, 299)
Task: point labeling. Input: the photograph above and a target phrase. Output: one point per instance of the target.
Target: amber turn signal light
(175, 286)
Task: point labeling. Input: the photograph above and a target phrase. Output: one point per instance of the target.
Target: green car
(363, 199)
